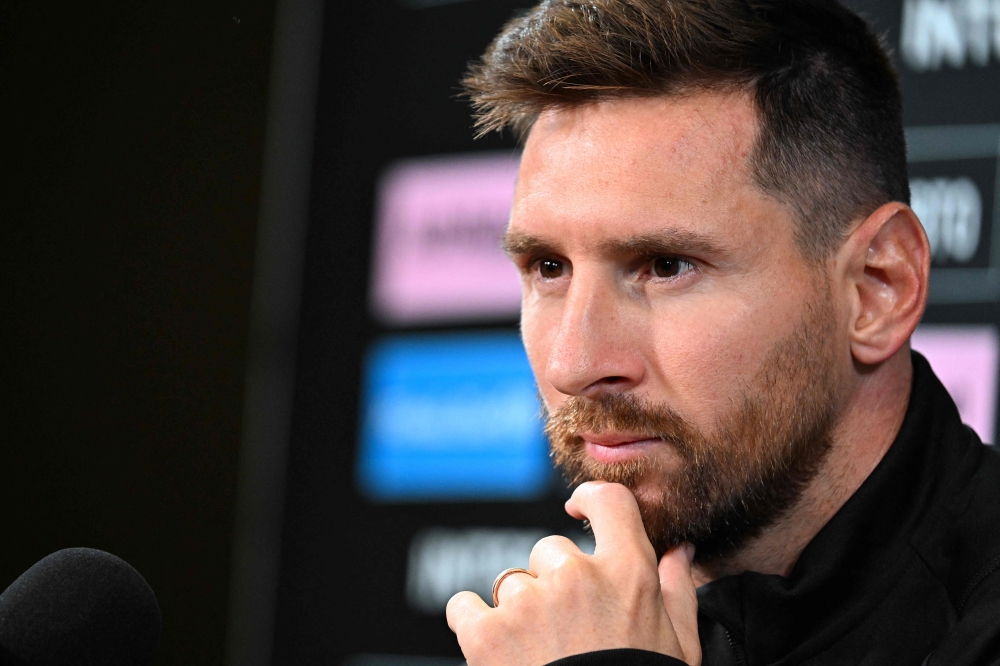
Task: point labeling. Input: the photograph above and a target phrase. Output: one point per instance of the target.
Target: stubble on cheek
(716, 489)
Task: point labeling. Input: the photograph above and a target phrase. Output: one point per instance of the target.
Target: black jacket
(907, 572)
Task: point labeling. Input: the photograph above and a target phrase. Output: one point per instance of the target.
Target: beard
(725, 486)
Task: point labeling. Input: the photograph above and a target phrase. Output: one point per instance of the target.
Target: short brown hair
(830, 129)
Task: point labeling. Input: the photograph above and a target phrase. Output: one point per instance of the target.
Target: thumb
(680, 599)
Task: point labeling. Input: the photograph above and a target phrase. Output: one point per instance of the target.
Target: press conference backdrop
(417, 464)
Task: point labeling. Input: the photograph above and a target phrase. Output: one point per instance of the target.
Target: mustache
(618, 412)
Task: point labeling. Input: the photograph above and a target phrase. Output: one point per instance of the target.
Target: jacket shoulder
(972, 540)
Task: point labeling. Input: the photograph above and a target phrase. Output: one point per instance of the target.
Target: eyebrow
(663, 242)
(515, 244)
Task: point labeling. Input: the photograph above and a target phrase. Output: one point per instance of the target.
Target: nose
(595, 350)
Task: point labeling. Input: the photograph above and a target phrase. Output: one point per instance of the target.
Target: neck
(869, 422)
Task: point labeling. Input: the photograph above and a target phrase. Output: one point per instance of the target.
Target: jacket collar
(856, 558)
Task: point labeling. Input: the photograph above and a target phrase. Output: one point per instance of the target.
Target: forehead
(633, 166)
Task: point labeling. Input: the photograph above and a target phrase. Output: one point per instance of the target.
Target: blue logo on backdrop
(451, 417)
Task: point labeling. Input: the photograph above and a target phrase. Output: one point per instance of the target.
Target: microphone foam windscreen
(79, 606)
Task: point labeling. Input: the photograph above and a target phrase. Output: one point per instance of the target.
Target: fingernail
(689, 551)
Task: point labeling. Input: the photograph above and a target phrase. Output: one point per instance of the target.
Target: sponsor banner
(953, 185)
(954, 201)
(451, 417)
(437, 254)
(444, 561)
(949, 33)
(948, 56)
(966, 359)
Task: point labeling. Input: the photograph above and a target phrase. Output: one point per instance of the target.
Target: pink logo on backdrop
(965, 358)
(437, 253)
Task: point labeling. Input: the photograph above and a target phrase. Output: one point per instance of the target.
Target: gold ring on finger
(500, 579)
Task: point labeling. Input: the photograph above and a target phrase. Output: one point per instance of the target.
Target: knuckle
(550, 553)
(571, 570)
(552, 544)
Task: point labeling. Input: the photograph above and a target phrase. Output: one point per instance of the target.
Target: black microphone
(79, 606)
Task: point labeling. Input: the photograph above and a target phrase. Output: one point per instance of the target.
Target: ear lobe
(889, 269)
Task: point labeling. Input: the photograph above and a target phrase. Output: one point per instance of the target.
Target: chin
(650, 490)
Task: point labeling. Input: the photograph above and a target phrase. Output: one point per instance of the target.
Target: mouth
(618, 447)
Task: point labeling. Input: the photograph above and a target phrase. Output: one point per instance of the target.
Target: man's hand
(615, 598)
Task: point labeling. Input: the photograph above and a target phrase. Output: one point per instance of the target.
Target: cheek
(706, 355)
(539, 327)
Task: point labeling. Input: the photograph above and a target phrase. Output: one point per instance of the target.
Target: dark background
(132, 137)
(388, 89)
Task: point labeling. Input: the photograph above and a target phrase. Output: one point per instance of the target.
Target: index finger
(614, 517)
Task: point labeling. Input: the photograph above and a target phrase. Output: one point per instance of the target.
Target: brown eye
(550, 269)
(668, 267)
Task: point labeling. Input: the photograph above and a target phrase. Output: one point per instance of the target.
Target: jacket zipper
(740, 659)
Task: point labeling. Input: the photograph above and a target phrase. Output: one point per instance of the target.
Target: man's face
(681, 342)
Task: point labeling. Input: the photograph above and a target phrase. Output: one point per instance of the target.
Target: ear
(886, 262)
